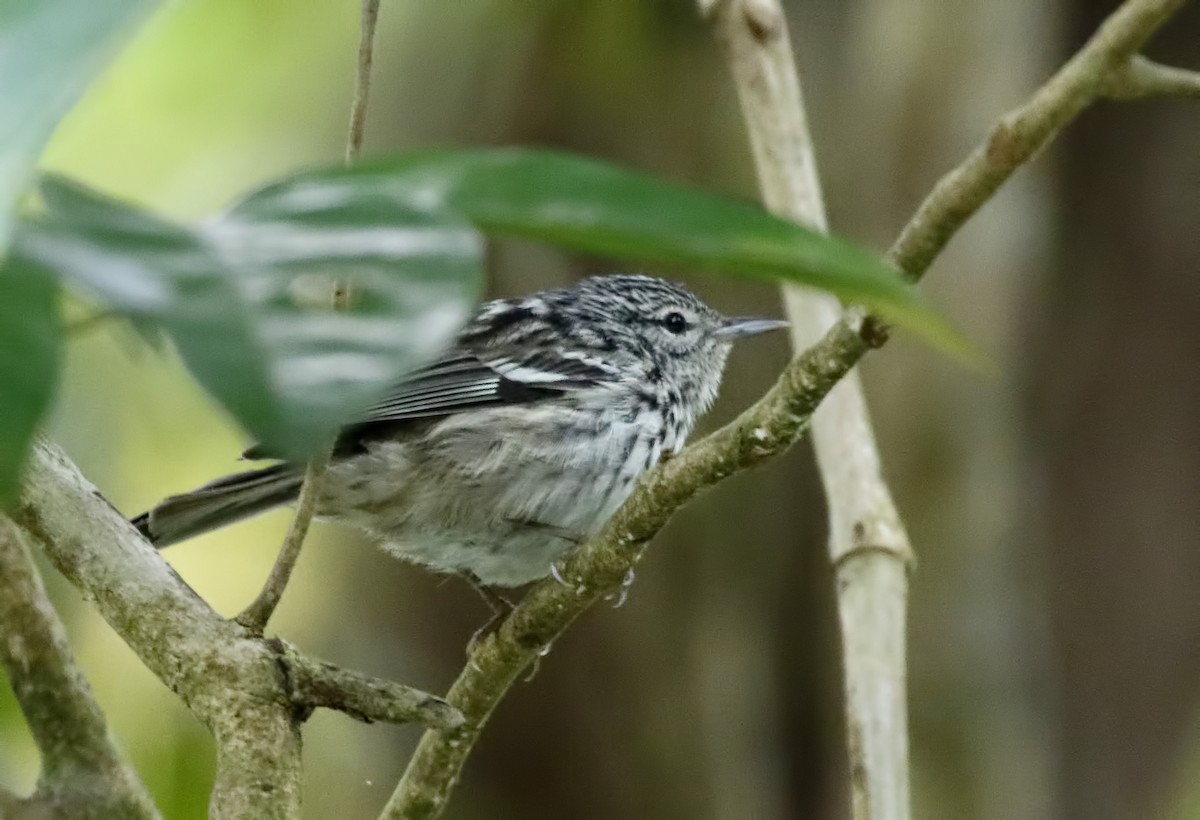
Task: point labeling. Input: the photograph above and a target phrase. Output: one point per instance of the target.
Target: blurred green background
(1055, 633)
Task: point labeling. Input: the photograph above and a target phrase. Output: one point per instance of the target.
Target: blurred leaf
(246, 296)
(30, 338)
(49, 50)
(591, 206)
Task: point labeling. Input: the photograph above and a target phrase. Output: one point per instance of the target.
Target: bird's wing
(467, 381)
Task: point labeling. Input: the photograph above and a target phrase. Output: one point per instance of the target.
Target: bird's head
(660, 327)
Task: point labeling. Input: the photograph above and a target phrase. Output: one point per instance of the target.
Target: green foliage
(599, 208)
(245, 296)
(49, 49)
(30, 340)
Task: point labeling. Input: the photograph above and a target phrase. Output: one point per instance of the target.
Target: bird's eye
(675, 322)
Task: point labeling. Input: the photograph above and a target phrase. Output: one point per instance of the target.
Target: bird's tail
(222, 502)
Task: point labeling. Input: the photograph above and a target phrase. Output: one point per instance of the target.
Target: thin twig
(85, 324)
(763, 431)
(864, 525)
(362, 85)
(1140, 78)
(256, 616)
(258, 613)
(314, 683)
(80, 765)
(1025, 130)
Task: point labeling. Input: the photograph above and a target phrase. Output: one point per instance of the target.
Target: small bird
(521, 441)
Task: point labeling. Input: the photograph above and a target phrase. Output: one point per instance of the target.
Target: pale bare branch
(867, 540)
(1140, 78)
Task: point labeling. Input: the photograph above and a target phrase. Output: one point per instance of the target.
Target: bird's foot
(500, 606)
(622, 594)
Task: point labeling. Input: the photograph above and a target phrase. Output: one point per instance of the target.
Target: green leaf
(595, 207)
(246, 297)
(49, 50)
(30, 343)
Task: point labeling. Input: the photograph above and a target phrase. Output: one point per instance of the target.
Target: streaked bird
(521, 441)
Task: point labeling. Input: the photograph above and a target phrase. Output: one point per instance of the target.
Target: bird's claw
(487, 630)
(623, 593)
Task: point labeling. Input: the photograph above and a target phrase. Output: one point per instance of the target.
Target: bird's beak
(740, 326)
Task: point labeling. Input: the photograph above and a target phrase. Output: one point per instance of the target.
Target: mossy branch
(253, 694)
(82, 772)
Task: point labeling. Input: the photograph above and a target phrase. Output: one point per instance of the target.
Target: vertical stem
(362, 82)
(868, 544)
(256, 616)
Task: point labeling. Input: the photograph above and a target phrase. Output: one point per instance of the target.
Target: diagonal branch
(599, 567)
(255, 616)
(82, 772)
(312, 684)
(769, 427)
(1025, 130)
(867, 540)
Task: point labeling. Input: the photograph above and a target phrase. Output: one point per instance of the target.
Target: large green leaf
(246, 296)
(49, 51)
(592, 206)
(29, 350)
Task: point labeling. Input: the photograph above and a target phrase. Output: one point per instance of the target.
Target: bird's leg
(497, 603)
(501, 607)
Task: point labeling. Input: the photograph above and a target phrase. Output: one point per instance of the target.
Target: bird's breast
(500, 492)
